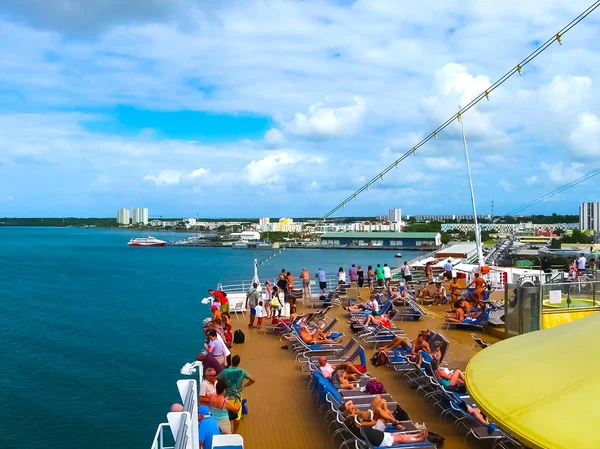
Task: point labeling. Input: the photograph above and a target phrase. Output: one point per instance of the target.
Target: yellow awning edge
(543, 387)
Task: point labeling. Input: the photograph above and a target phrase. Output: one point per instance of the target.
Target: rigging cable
(485, 94)
(556, 191)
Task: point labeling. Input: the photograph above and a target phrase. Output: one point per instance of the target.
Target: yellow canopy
(543, 387)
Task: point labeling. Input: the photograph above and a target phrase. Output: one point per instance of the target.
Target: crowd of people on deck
(220, 395)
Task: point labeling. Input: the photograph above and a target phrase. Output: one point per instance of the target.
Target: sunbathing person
(377, 416)
(383, 320)
(455, 290)
(424, 295)
(351, 372)
(377, 438)
(452, 380)
(419, 345)
(439, 295)
(316, 337)
(474, 412)
(371, 305)
(343, 376)
(436, 353)
(462, 308)
(396, 342)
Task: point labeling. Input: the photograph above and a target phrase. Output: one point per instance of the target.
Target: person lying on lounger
(317, 336)
(343, 376)
(377, 416)
(371, 305)
(474, 412)
(383, 320)
(377, 438)
(396, 342)
(452, 380)
(349, 371)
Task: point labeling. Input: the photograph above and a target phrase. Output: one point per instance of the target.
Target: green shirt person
(379, 272)
(234, 378)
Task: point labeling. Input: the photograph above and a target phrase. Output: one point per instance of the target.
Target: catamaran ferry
(146, 241)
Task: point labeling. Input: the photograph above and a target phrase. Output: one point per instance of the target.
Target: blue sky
(284, 108)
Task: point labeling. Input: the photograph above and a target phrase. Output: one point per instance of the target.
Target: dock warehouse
(387, 240)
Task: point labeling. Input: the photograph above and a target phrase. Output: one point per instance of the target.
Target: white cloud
(494, 158)
(268, 170)
(585, 138)
(274, 137)
(323, 121)
(531, 180)
(441, 163)
(7, 198)
(170, 177)
(561, 174)
(505, 185)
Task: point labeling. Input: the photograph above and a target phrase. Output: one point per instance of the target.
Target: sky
(284, 108)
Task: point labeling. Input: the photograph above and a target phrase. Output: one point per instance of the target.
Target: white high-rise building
(395, 215)
(140, 215)
(123, 216)
(589, 217)
(264, 221)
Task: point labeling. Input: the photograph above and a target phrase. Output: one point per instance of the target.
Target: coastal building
(412, 240)
(589, 217)
(123, 216)
(395, 215)
(509, 229)
(140, 215)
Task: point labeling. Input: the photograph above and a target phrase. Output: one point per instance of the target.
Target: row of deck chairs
(450, 404)
(327, 397)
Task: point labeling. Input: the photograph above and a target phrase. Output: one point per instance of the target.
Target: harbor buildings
(395, 240)
(589, 217)
(140, 215)
(395, 215)
(123, 216)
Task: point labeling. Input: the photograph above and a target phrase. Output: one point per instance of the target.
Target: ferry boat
(147, 241)
(258, 244)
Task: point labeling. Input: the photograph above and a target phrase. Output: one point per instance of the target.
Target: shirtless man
(479, 284)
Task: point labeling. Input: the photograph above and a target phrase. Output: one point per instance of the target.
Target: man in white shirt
(387, 275)
(581, 262)
(406, 272)
(208, 387)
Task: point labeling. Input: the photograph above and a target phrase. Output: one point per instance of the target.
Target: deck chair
(233, 441)
(333, 356)
(470, 322)
(239, 308)
(479, 341)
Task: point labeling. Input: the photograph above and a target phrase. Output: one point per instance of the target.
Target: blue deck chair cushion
(362, 357)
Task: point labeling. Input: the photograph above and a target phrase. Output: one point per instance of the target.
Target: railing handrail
(158, 441)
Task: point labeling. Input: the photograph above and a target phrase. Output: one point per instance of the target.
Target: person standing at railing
(305, 276)
(252, 297)
(379, 275)
(282, 281)
(361, 276)
(370, 277)
(341, 276)
(322, 280)
(353, 273)
(290, 281)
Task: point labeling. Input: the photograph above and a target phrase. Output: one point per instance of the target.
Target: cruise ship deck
(282, 413)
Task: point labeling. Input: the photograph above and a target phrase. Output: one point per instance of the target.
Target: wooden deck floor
(281, 412)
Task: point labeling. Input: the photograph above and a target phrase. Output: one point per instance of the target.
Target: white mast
(477, 230)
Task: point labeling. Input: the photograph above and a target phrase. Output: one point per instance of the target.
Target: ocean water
(93, 332)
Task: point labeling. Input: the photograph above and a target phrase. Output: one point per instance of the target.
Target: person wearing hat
(207, 427)
(216, 313)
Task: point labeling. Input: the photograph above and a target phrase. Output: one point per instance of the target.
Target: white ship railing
(183, 425)
(243, 285)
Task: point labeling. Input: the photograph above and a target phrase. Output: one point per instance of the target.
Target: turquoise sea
(93, 332)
